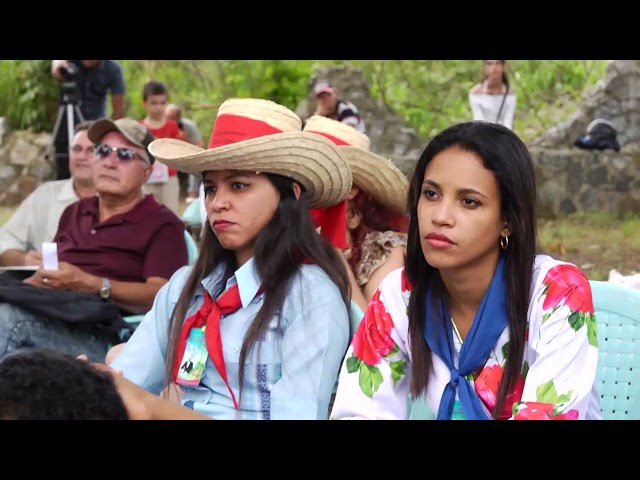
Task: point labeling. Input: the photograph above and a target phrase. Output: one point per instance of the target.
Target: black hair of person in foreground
(45, 384)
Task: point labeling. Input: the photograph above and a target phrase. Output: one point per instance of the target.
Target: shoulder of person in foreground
(36, 200)
(375, 374)
(43, 384)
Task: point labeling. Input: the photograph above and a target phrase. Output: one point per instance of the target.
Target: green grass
(596, 242)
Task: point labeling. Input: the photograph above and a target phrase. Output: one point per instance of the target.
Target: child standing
(163, 182)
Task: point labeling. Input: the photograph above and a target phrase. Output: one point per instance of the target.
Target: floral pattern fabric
(375, 251)
(557, 374)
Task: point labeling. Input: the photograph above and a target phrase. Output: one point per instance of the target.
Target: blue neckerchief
(488, 324)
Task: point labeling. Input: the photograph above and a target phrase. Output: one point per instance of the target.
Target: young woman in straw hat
(258, 327)
(477, 323)
(375, 219)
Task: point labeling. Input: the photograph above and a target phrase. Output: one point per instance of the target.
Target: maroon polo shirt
(147, 241)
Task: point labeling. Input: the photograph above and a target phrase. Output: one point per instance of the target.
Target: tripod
(69, 111)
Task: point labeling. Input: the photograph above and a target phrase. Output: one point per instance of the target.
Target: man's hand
(33, 257)
(56, 65)
(67, 277)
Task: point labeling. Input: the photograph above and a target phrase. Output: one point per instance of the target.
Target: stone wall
(615, 98)
(573, 180)
(23, 163)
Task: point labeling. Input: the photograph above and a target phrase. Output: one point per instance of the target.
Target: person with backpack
(494, 99)
(330, 105)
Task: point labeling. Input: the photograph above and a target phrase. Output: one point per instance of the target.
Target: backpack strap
(504, 97)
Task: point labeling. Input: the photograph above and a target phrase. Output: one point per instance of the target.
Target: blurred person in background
(494, 99)
(192, 134)
(90, 83)
(330, 105)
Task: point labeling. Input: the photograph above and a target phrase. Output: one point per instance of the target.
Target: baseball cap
(323, 86)
(133, 130)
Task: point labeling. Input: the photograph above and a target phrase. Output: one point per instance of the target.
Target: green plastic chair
(617, 310)
(192, 254)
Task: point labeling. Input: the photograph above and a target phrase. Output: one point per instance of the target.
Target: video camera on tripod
(69, 108)
(69, 89)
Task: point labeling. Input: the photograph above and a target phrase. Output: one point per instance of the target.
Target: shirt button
(236, 349)
(93, 232)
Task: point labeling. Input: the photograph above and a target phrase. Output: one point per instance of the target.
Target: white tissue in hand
(49, 255)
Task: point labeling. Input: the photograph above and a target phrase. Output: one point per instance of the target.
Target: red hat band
(229, 129)
(336, 140)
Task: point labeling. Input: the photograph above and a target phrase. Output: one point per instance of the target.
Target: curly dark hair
(43, 384)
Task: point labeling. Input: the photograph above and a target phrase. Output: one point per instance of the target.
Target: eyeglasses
(80, 149)
(103, 150)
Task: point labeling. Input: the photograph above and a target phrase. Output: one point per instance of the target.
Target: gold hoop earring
(504, 242)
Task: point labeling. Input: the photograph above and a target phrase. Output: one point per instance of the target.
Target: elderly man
(36, 219)
(121, 246)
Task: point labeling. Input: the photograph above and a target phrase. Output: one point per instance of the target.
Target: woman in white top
(493, 99)
(477, 323)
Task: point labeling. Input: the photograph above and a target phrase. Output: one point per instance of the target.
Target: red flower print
(487, 384)
(405, 284)
(567, 284)
(372, 339)
(542, 411)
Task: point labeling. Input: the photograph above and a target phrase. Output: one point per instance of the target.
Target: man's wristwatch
(105, 290)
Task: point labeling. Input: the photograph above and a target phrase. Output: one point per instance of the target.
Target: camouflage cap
(133, 131)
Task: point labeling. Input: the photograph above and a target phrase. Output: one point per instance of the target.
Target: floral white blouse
(558, 371)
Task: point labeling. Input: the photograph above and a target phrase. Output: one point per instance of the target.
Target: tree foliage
(428, 94)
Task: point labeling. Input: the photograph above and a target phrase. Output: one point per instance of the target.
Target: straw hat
(376, 175)
(259, 135)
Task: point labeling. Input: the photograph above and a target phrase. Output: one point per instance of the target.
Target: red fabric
(209, 314)
(333, 223)
(336, 140)
(170, 129)
(229, 129)
(332, 220)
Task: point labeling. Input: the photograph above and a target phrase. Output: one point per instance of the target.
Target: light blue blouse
(293, 373)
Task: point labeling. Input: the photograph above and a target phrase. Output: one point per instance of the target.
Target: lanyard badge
(194, 359)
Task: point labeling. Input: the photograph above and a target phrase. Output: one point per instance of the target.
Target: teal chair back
(618, 376)
(191, 214)
(192, 248)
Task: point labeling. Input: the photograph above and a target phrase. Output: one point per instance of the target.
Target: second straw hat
(376, 175)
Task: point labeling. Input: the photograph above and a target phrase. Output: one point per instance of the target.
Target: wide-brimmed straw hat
(376, 175)
(260, 135)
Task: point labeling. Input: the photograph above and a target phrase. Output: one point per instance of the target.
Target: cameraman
(94, 80)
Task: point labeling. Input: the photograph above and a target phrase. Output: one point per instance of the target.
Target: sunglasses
(103, 150)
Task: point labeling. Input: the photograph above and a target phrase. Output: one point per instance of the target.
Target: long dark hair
(280, 248)
(507, 157)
